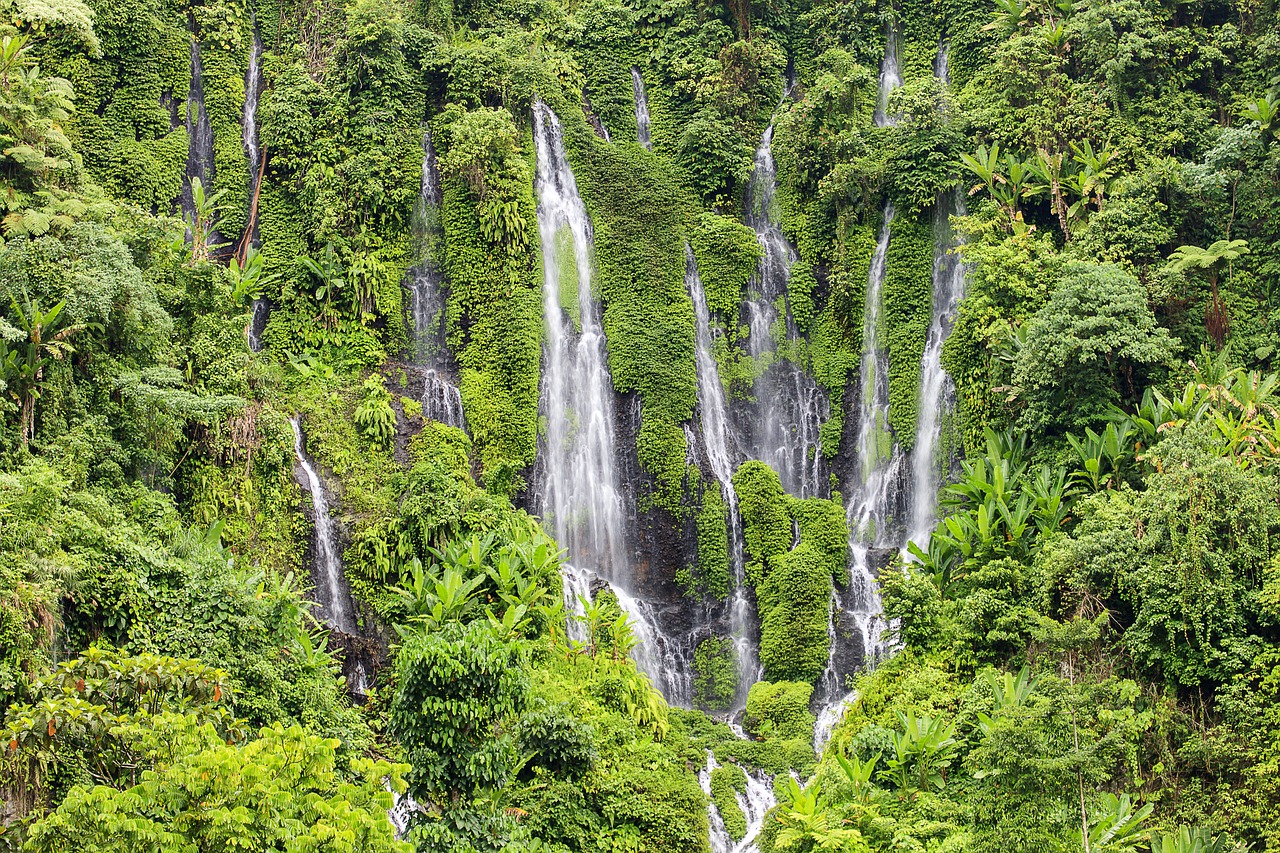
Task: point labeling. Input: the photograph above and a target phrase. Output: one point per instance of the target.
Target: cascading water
(941, 62)
(252, 89)
(642, 108)
(441, 400)
(200, 134)
(937, 392)
(790, 406)
(713, 413)
(580, 497)
(249, 125)
(754, 803)
(890, 77)
(331, 591)
(876, 498)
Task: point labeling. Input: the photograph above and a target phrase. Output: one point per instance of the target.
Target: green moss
(793, 584)
(711, 577)
(727, 781)
(908, 307)
(728, 255)
(121, 128)
(795, 601)
(780, 710)
(766, 519)
(715, 674)
(648, 316)
(495, 331)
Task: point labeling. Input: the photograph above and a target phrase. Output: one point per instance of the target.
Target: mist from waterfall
(580, 498)
(331, 592)
(790, 407)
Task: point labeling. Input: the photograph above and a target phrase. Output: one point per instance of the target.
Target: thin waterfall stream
(580, 498)
(642, 108)
(441, 399)
(200, 134)
(929, 461)
(331, 592)
(790, 407)
(713, 413)
(754, 803)
(876, 498)
(252, 150)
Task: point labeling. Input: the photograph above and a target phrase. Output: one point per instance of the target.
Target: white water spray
(790, 406)
(642, 108)
(331, 592)
(581, 500)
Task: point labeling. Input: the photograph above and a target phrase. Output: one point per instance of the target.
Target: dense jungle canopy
(639, 426)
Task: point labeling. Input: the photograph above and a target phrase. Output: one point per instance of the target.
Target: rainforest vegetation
(938, 395)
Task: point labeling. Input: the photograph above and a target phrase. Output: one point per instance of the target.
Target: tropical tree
(43, 338)
(459, 692)
(203, 222)
(1211, 261)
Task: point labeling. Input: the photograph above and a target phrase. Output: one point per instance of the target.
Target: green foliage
(458, 693)
(780, 710)
(715, 674)
(793, 580)
(1089, 348)
(282, 788)
(374, 415)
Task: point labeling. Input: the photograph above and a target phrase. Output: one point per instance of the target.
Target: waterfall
(941, 62)
(642, 108)
(790, 406)
(580, 496)
(754, 803)
(713, 413)
(252, 89)
(200, 133)
(830, 715)
(257, 323)
(890, 78)
(331, 592)
(937, 393)
(876, 498)
(249, 125)
(441, 400)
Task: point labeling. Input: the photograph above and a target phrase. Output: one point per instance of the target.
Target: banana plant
(43, 338)
(1103, 456)
(923, 751)
(1186, 839)
(203, 222)
(859, 775)
(432, 601)
(1266, 112)
(1117, 827)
